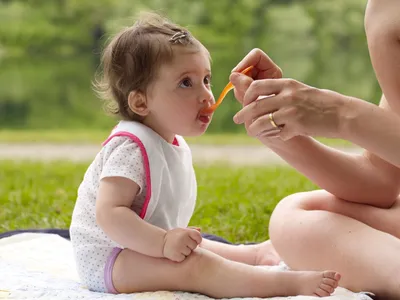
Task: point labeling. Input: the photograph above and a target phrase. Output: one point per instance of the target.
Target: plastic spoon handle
(224, 92)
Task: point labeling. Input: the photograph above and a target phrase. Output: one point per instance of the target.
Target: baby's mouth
(204, 118)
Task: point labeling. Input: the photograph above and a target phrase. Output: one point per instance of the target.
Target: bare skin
(170, 257)
(359, 206)
(212, 275)
(211, 268)
(365, 252)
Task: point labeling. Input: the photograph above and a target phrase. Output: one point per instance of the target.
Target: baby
(129, 227)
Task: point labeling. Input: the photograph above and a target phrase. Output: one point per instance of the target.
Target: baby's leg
(210, 274)
(257, 254)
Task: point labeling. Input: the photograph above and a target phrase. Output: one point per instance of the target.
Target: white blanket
(41, 266)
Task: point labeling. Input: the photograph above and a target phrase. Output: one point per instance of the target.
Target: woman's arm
(307, 111)
(374, 128)
(373, 177)
(352, 177)
(375, 174)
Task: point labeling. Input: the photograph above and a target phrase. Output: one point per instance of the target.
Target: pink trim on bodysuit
(175, 142)
(115, 252)
(108, 270)
(146, 166)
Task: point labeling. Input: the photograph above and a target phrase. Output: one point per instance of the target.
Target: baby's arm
(115, 216)
(121, 179)
(121, 223)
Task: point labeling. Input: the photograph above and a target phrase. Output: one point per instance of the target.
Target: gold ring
(271, 119)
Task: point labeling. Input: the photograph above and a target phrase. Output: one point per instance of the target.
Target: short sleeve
(123, 158)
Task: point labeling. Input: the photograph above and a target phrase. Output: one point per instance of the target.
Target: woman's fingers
(264, 67)
(287, 133)
(265, 124)
(256, 109)
(241, 83)
(269, 133)
(264, 87)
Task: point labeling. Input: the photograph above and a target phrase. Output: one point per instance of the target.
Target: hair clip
(178, 36)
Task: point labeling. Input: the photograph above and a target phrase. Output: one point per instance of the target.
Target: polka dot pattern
(92, 247)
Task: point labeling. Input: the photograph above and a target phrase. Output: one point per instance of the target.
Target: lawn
(97, 136)
(233, 202)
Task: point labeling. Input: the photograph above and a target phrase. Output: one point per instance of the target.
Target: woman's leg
(309, 233)
(210, 274)
(383, 219)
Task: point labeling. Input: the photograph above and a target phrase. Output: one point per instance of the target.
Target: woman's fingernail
(236, 119)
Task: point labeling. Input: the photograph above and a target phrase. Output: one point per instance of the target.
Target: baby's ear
(137, 103)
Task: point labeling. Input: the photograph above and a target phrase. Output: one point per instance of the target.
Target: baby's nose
(209, 99)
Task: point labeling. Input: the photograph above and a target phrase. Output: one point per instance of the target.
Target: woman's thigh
(315, 231)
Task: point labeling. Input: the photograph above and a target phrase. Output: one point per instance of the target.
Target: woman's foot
(266, 254)
(320, 284)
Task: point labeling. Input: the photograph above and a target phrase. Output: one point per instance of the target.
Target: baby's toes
(322, 293)
(332, 275)
(331, 282)
(327, 288)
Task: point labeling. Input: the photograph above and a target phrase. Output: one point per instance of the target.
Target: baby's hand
(180, 242)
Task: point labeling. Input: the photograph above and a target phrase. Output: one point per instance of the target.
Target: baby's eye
(207, 80)
(185, 83)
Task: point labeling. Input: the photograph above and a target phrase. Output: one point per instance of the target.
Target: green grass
(59, 136)
(233, 202)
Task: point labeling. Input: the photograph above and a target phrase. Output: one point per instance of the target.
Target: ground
(202, 154)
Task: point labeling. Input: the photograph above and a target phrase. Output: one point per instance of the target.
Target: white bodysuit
(167, 196)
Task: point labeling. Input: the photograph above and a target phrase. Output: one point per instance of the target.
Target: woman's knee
(313, 200)
(283, 225)
(291, 203)
(282, 215)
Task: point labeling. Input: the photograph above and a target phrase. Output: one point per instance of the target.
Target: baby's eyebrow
(185, 73)
(206, 71)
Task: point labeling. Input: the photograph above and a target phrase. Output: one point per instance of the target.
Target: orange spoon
(225, 91)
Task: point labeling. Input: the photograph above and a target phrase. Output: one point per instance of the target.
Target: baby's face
(182, 89)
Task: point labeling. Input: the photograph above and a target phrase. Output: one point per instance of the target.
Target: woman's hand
(280, 107)
(286, 108)
(263, 68)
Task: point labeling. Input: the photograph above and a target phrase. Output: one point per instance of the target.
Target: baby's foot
(320, 284)
(266, 254)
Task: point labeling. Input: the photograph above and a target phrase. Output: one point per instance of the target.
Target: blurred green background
(49, 51)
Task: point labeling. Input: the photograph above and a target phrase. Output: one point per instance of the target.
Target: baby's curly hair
(132, 58)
